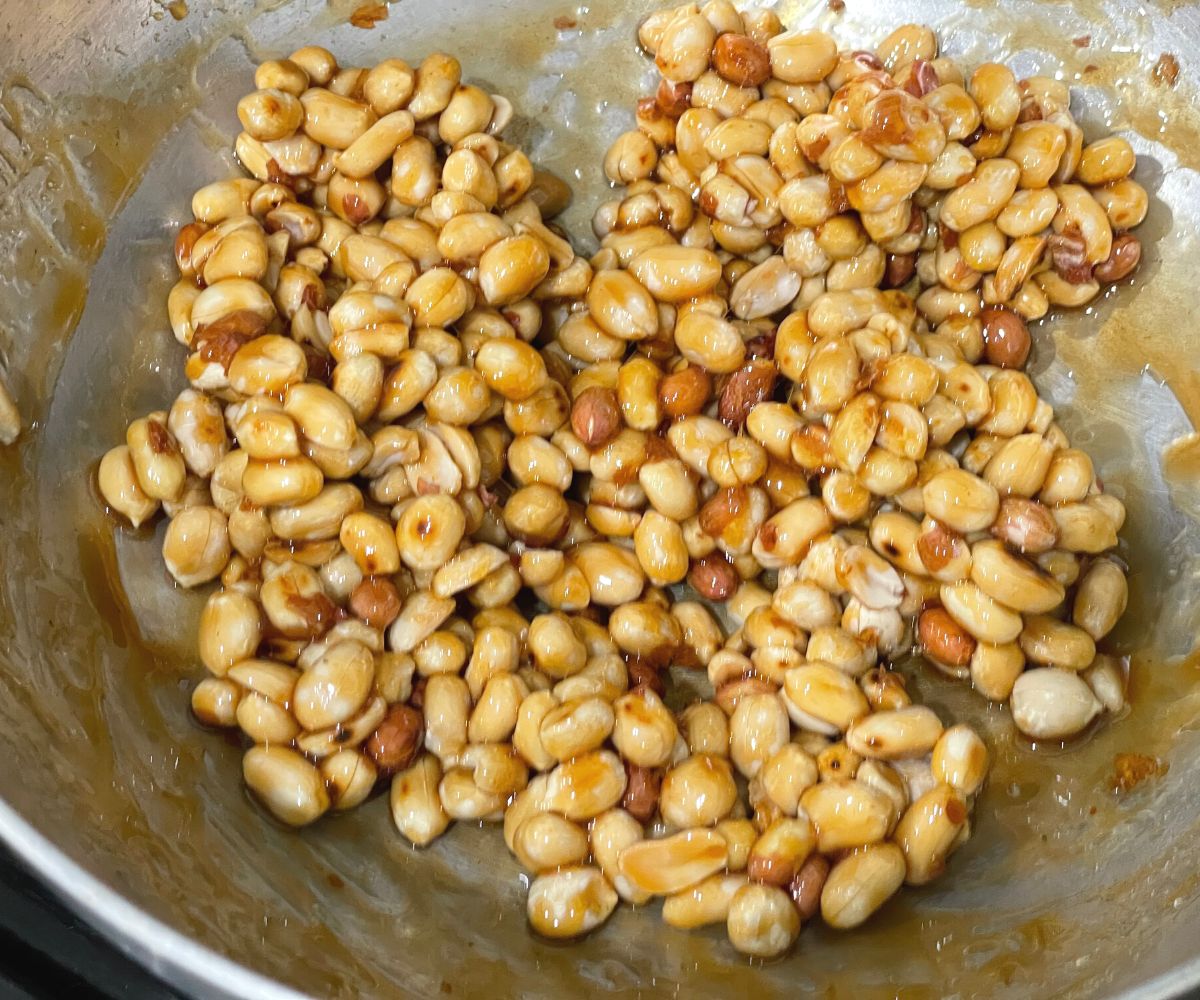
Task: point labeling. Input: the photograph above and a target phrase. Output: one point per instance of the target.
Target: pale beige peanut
(700, 631)
(660, 548)
(667, 865)
(287, 784)
(1107, 679)
(317, 64)
(906, 44)
(677, 273)
(887, 779)
(1052, 704)
(375, 146)
(334, 120)
(157, 461)
(265, 722)
(1080, 213)
(464, 797)
(762, 921)
(285, 481)
(983, 197)
(706, 729)
(1100, 599)
(215, 700)
(644, 628)
(961, 500)
(861, 883)
(527, 732)
(1019, 465)
(709, 341)
(1084, 527)
(928, 831)
(468, 568)
(349, 777)
(447, 714)
(683, 47)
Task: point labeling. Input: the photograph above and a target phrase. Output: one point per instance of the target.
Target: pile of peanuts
(474, 501)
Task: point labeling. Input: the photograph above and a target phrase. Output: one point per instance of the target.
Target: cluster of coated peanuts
(469, 496)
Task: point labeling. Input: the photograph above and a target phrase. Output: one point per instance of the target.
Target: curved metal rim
(162, 949)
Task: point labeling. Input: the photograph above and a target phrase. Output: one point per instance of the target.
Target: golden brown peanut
(928, 831)
(904, 732)
(215, 701)
(995, 668)
(666, 866)
(545, 842)
(196, 545)
(700, 791)
(287, 784)
(644, 731)
(781, 850)
(762, 921)
(119, 486)
(415, 804)
(586, 786)
(758, 729)
(1048, 642)
(960, 759)
(823, 699)
(860, 884)
(846, 814)
(707, 902)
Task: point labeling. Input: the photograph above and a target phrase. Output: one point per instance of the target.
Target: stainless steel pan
(110, 115)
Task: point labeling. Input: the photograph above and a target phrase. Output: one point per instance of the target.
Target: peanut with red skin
(642, 785)
(805, 888)
(713, 577)
(376, 601)
(745, 389)
(943, 638)
(396, 742)
(673, 99)
(741, 60)
(1006, 338)
(1026, 525)
(684, 393)
(596, 416)
(1122, 261)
